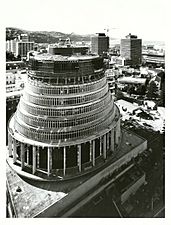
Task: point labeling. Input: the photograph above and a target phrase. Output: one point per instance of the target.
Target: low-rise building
(12, 100)
(129, 183)
(15, 65)
(132, 85)
(15, 80)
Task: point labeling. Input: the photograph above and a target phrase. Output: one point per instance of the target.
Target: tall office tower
(100, 44)
(22, 48)
(131, 50)
(66, 123)
(11, 46)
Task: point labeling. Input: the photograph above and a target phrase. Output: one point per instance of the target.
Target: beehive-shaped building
(66, 123)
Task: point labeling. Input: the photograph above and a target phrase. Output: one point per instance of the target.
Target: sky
(145, 18)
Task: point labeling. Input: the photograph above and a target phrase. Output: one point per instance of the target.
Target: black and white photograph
(84, 124)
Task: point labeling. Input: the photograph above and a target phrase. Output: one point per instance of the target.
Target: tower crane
(108, 29)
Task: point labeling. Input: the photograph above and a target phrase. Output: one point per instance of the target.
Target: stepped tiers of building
(67, 49)
(66, 123)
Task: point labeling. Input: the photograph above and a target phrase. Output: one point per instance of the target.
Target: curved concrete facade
(66, 123)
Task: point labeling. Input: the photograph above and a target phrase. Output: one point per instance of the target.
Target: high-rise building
(131, 50)
(100, 44)
(66, 122)
(20, 46)
(11, 46)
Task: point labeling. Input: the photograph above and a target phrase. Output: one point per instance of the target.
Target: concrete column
(64, 160)
(38, 157)
(67, 88)
(27, 154)
(9, 145)
(117, 133)
(107, 140)
(79, 157)
(22, 156)
(14, 151)
(100, 146)
(49, 160)
(91, 147)
(112, 141)
(34, 160)
(104, 146)
(93, 152)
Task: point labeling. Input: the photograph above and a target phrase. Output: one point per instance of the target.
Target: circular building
(66, 123)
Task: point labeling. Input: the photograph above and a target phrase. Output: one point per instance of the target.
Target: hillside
(44, 36)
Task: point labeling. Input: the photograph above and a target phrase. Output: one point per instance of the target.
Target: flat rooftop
(129, 142)
(14, 62)
(27, 199)
(50, 57)
(128, 105)
(14, 93)
(132, 80)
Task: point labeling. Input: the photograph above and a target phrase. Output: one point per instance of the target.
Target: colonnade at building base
(63, 161)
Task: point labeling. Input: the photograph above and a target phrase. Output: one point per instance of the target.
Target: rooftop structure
(23, 37)
(129, 36)
(65, 47)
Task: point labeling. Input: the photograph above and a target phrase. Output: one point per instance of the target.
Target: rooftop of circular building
(66, 123)
(67, 48)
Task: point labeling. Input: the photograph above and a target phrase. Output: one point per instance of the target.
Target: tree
(131, 90)
(141, 90)
(9, 56)
(119, 94)
(18, 58)
(162, 97)
(152, 90)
